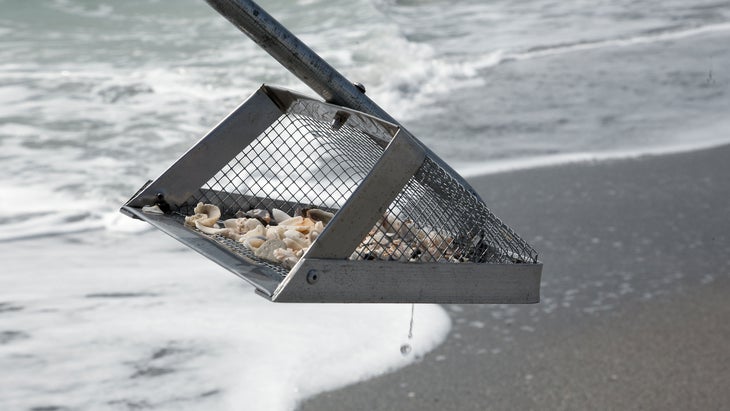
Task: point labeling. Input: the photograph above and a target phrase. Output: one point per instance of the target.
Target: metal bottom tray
(349, 281)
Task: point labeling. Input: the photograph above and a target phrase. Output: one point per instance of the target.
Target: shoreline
(632, 314)
(474, 172)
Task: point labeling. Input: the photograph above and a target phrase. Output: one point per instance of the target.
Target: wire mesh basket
(354, 208)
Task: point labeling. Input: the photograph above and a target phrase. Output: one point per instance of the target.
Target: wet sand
(635, 312)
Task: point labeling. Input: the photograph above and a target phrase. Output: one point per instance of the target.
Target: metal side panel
(367, 204)
(347, 281)
(264, 279)
(212, 152)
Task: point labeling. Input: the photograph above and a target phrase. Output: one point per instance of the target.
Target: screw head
(312, 276)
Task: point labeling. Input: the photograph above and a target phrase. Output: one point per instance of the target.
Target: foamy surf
(649, 37)
(124, 321)
(713, 135)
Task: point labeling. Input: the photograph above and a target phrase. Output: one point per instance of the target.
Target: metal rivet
(312, 276)
(360, 87)
(339, 120)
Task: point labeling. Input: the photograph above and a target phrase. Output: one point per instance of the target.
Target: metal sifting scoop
(333, 201)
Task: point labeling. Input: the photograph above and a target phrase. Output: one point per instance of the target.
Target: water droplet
(405, 349)
(410, 329)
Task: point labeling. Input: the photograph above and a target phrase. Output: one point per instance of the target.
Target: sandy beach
(634, 311)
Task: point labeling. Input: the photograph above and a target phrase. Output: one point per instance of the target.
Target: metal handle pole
(309, 67)
(296, 56)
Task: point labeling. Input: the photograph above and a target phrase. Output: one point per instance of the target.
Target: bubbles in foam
(405, 349)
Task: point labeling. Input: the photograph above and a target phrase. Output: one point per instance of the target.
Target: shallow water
(97, 98)
(119, 321)
(104, 97)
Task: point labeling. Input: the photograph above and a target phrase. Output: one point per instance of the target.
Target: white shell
(153, 209)
(254, 243)
(266, 250)
(279, 215)
(272, 232)
(212, 214)
(210, 230)
(250, 224)
(292, 221)
(191, 219)
(286, 257)
(296, 244)
(259, 231)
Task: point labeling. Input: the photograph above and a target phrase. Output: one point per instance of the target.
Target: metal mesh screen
(435, 219)
(297, 162)
(302, 162)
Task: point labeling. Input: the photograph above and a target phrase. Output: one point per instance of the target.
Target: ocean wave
(33, 211)
(471, 170)
(646, 37)
(497, 57)
(414, 88)
(105, 11)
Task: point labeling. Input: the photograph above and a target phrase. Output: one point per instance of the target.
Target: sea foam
(106, 320)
